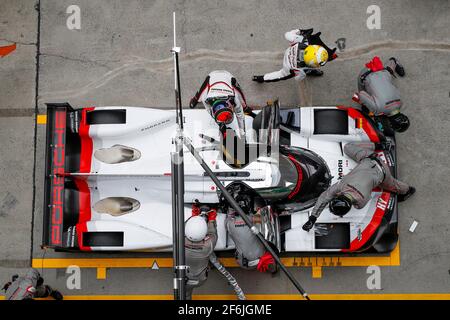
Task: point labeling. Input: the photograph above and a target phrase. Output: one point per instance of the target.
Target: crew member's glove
(195, 209)
(306, 32)
(193, 103)
(266, 263)
(259, 79)
(212, 215)
(249, 111)
(309, 224)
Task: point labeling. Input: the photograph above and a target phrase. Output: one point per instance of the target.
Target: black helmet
(399, 122)
(340, 205)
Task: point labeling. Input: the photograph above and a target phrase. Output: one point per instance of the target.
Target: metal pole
(174, 48)
(247, 221)
(174, 221)
(180, 268)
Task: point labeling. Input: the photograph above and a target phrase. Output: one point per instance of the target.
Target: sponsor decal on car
(340, 169)
(57, 178)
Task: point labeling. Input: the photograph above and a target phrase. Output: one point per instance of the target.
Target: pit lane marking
(41, 119)
(316, 263)
(338, 296)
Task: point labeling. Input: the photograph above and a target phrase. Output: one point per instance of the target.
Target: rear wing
(55, 162)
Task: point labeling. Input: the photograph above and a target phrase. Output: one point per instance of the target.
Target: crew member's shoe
(259, 79)
(403, 197)
(398, 67)
(55, 294)
(314, 72)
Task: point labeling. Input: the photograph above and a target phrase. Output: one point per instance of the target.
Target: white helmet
(195, 228)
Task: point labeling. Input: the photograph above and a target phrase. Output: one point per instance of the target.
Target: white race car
(108, 178)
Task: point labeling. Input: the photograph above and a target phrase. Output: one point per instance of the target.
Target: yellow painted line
(41, 119)
(317, 272)
(367, 296)
(102, 263)
(101, 273)
(318, 262)
(357, 261)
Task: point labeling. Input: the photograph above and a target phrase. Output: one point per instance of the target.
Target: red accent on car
(299, 179)
(58, 163)
(373, 224)
(84, 200)
(366, 126)
(86, 143)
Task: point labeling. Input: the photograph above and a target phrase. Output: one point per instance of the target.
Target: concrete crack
(131, 63)
(19, 42)
(76, 59)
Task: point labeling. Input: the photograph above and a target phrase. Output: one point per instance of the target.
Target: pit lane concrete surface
(121, 56)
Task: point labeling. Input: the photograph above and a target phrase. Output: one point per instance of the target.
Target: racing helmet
(399, 122)
(196, 228)
(222, 110)
(315, 56)
(340, 205)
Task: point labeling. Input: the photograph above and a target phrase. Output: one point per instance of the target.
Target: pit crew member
(250, 252)
(355, 188)
(378, 93)
(29, 287)
(306, 54)
(223, 98)
(200, 240)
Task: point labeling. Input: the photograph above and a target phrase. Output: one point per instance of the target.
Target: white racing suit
(359, 183)
(377, 92)
(293, 64)
(221, 83)
(197, 258)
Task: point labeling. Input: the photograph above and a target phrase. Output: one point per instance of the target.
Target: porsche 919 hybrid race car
(108, 178)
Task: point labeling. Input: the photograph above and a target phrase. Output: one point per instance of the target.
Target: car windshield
(303, 176)
(287, 183)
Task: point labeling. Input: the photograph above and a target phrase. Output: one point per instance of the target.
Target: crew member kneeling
(355, 188)
(378, 93)
(200, 240)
